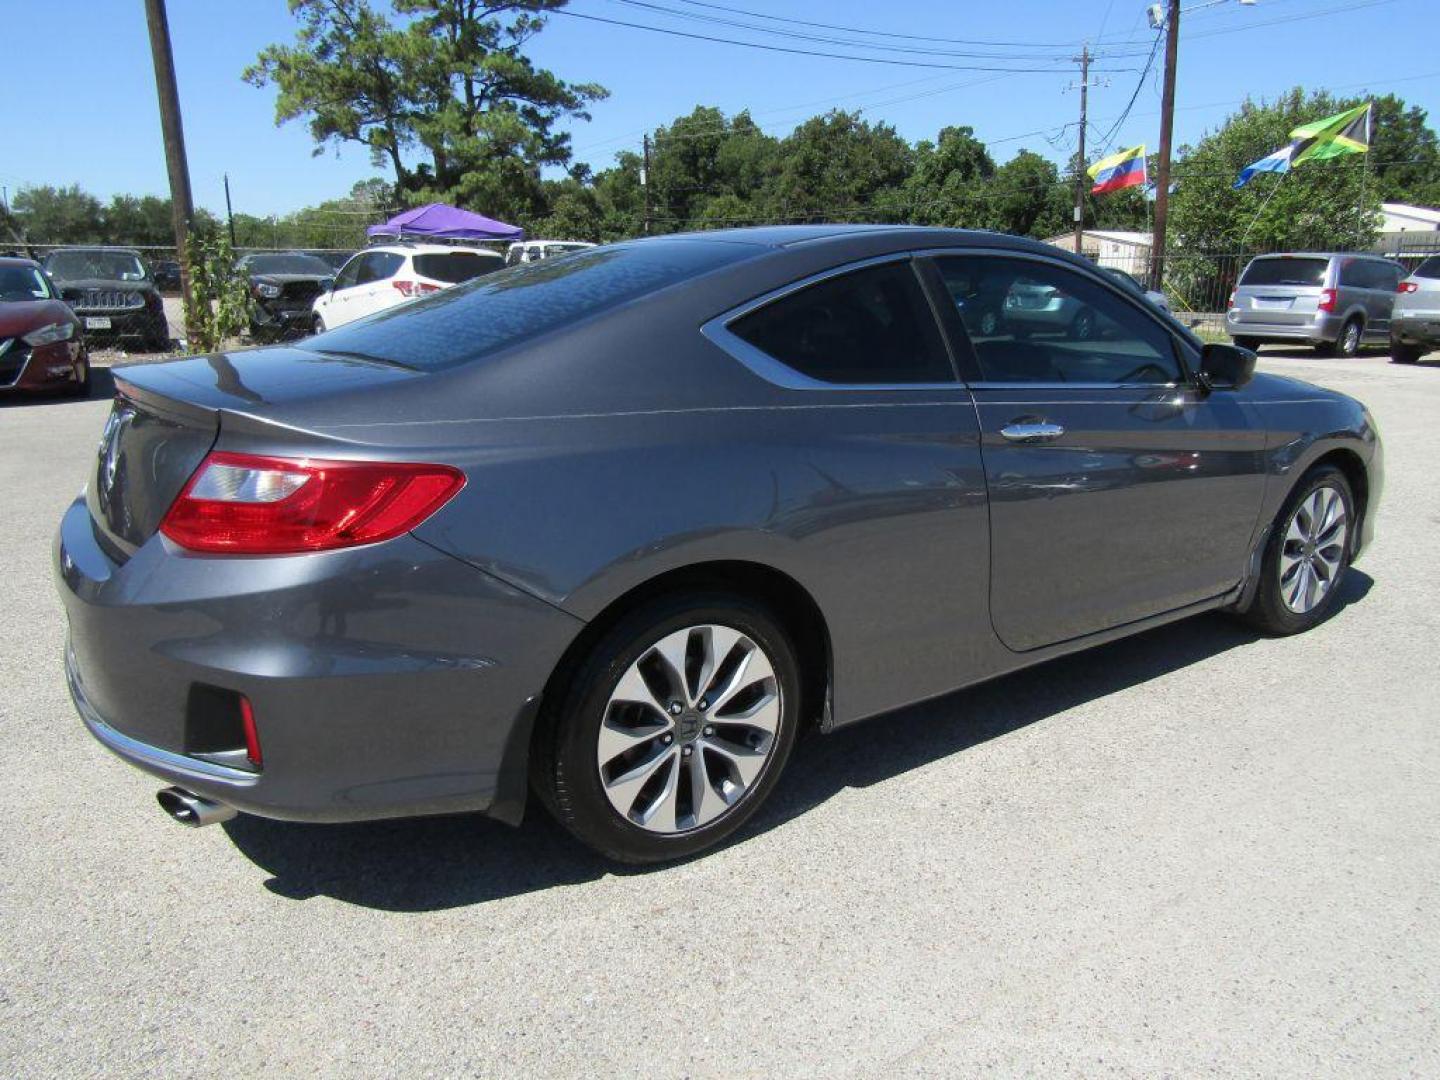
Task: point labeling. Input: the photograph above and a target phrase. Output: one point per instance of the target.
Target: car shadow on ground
(430, 864)
(102, 387)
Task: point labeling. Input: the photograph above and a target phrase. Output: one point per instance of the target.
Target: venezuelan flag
(1121, 170)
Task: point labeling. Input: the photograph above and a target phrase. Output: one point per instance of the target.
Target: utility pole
(181, 208)
(229, 215)
(645, 181)
(1080, 170)
(1167, 125)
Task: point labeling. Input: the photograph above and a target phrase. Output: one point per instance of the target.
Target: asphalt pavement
(1192, 852)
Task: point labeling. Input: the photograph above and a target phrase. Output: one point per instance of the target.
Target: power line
(812, 38)
(813, 52)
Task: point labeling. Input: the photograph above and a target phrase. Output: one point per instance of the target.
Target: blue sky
(91, 117)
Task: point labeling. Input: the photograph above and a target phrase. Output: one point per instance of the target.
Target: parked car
(1130, 282)
(386, 275)
(167, 276)
(1415, 322)
(42, 345)
(284, 287)
(1333, 302)
(525, 251)
(623, 524)
(112, 292)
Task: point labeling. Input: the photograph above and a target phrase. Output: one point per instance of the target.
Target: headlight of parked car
(267, 292)
(50, 334)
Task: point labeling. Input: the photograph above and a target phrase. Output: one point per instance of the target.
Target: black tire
(317, 325)
(1268, 611)
(1405, 354)
(81, 389)
(565, 768)
(1348, 343)
(1253, 344)
(1082, 327)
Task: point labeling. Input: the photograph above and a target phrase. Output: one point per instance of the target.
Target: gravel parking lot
(1195, 851)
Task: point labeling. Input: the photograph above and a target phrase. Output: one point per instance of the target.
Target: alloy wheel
(1313, 555)
(689, 729)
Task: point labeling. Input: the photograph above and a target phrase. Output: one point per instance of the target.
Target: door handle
(1032, 432)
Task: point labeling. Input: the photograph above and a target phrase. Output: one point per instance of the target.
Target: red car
(42, 346)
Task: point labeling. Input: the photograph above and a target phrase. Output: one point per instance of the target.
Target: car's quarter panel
(1145, 503)
(874, 504)
(385, 679)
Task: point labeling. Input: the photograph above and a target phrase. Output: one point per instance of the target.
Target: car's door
(1118, 489)
(375, 291)
(335, 307)
(1387, 278)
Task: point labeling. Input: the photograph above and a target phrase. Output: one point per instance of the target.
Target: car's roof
(96, 247)
(18, 260)
(1321, 255)
(411, 248)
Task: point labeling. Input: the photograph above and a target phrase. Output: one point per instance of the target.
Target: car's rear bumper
(1416, 329)
(386, 681)
(1251, 324)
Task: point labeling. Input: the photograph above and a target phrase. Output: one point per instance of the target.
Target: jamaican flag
(1344, 133)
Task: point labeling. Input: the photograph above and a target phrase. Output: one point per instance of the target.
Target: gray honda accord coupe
(616, 527)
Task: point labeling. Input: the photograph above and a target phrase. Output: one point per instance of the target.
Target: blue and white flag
(1278, 162)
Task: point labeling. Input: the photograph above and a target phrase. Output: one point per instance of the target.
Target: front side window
(349, 274)
(1035, 322)
(871, 326)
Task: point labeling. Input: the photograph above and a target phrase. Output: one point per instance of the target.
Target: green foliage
(219, 304)
(334, 223)
(69, 215)
(448, 79)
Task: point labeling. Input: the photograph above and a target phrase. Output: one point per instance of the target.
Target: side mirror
(1226, 367)
(327, 284)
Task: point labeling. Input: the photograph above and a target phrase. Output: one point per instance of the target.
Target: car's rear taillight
(252, 735)
(415, 288)
(1407, 286)
(244, 504)
(1232, 298)
(1327, 300)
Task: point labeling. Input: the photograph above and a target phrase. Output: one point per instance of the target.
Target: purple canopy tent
(446, 222)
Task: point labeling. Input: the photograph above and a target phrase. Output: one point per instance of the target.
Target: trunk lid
(1281, 289)
(167, 416)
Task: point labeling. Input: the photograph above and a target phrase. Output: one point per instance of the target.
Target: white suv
(381, 277)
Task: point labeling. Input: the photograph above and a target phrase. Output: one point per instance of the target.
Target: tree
(949, 183)
(59, 215)
(839, 167)
(1023, 197)
(450, 81)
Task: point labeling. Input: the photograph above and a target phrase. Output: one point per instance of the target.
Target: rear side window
(379, 265)
(869, 326)
(1366, 274)
(1430, 268)
(454, 266)
(493, 312)
(1285, 272)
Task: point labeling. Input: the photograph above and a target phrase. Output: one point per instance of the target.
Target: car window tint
(23, 283)
(476, 318)
(870, 326)
(379, 265)
(454, 266)
(1430, 268)
(1037, 322)
(1362, 274)
(1285, 271)
(349, 274)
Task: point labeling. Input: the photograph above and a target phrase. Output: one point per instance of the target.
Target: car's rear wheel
(1306, 554)
(1405, 354)
(1348, 343)
(1253, 344)
(673, 730)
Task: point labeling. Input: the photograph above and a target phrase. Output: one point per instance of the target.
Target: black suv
(113, 293)
(284, 285)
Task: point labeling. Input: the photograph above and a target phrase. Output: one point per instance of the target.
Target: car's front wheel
(1253, 344)
(673, 730)
(1306, 554)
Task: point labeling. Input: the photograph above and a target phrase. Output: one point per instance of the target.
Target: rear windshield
(493, 312)
(1285, 272)
(455, 266)
(1430, 268)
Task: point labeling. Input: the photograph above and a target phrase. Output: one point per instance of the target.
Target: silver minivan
(1334, 302)
(1415, 325)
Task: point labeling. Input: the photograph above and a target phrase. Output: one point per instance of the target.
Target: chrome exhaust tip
(190, 809)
